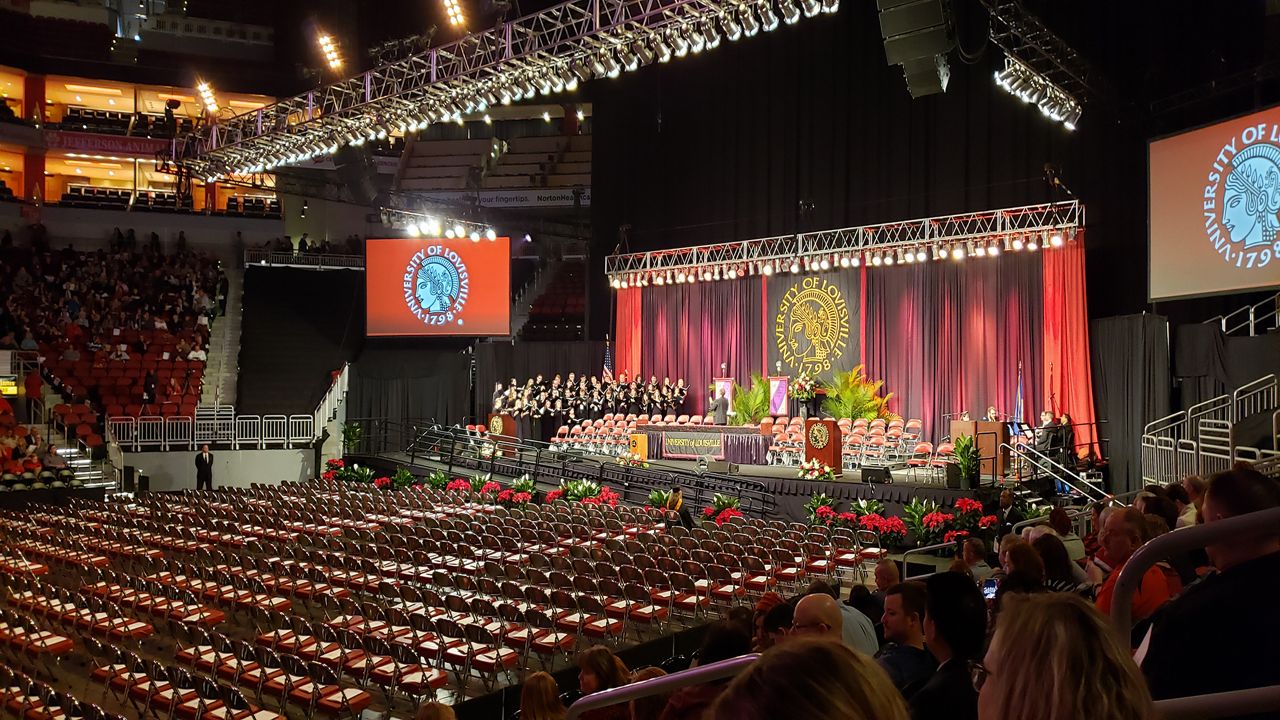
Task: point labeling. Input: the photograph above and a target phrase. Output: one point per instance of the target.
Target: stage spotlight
(877, 260)
(908, 257)
(825, 264)
(855, 261)
(921, 256)
(957, 253)
(449, 233)
(454, 12)
(207, 97)
(679, 46)
(329, 49)
(624, 284)
(811, 7)
(750, 26)
(980, 250)
(844, 261)
(658, 280)
(628, 58)
(1017, 243)
(790, 13)
(680, 276)
(431, 227)
(732, 30)
(795, 267)
(830, 6)
(696, 41)
(1031, 243)
(768, 19)
(662, 50)
(731, 274)
(458, 232)
(716, 274)
(615, 283)
(766, 269)
(412, 229)
(888, 258)
(993, 249)
(710, 35)
(1056, 239)
(490, 234)
(643, 52)
(475, 236)
(1071, 118)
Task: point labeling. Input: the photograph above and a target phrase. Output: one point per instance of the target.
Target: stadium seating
(559, 312)
(445, 164)
(252, 206)
(103, 122)
(89, 196)
(556, 161)
(158, 201)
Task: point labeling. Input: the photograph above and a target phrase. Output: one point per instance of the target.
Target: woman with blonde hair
(540, 698)
(811, 678)
(1055, 657)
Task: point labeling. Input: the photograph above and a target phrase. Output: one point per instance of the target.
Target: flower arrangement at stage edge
(576, 490)
(402, 478)
(510, 497)
(437, 480)
(891, 530)
(605, 497)
(816, 470)
(459, 485)
(986, 522)
(935, 524)
(356, 474)
(634, 460)
(802, 387)
(523, 484)
(719, 504)
(867, 506)
(968, 512)
(478, 483)
(487, 450)
(659, 499)
(816, 501)
(382, 483)
(490, 488)
(554, 495)
(824, 515)
(848, 519)
(332, 467)
(727, 514)
(954, 535)
(913, 517)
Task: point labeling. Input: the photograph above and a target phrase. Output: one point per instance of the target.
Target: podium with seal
(822, 442)
(503, 427)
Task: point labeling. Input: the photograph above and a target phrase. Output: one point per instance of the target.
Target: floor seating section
(560, 311)
(326, 599)
(557, 161)
(446, 164)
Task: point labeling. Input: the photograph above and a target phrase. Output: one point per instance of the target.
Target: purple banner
(778, 394)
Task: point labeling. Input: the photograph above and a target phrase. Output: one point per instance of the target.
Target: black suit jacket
(204, 470)
(948, 695)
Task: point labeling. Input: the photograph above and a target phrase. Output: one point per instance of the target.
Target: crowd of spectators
(1042, 647)
(113, 307)
(306, 245)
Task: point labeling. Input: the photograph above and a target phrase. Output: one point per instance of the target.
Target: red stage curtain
(949, 336)
(689, 329)
(630, 316)
(1068, 379)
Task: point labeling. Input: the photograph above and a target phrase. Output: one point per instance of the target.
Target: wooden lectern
(503, 426)
(988, 437)
(822, 442)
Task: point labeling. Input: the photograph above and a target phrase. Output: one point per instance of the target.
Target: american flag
(607, 374)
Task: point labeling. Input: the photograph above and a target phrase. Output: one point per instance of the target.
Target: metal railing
(1251, 317)
(1055, 470)
(153, 432)
(327, 408)
(1079, 520)
(1199, 441)
(327, 261)
(920, 551)
(456, 448)
(664, 685)
(1202, 707)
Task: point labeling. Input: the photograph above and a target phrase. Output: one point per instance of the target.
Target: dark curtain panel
(814, 322)
(501, 361)
(403, 384)
(1199, 363)
(1131, 388)
(690, 329)
(948, 337)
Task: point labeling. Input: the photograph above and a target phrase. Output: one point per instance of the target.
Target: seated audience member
(903, 657)
(198, 354)
(723, 640)
(811, 678)
(955, 628)
(52, 459)
(861, 599)
(1061, 525)
(1024, 572)
(649, 707)
(818, 615)
(1054, 657)
(599, 669)
(1162, 507)
(767, 602)
(777, 624)
(540, 698)
(435, 711)
(886, 576)
(1223, 633)
(1060, 573)
(857, 630)
(1182, 501)
(1195, 487)
(1122, 535)
(974, 553)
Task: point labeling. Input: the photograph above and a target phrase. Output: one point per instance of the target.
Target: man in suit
(204, 469)
(955, 628)
(1008, 514)
(1047, 434)
(720, 408)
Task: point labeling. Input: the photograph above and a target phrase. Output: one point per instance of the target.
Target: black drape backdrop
(501, 361)
(404, 383)
(1131, 387)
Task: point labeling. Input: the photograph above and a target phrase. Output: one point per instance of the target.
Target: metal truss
(1026, 39)
(850, 245)
(542, 53)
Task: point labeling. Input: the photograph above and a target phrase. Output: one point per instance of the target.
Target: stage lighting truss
(1040, 66)
(955, 238)
(543, 53)
(415, 223)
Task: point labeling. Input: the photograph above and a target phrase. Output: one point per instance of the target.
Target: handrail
(1253, 397)
(327, 261)
(1035, 457)
(923, 549)
(1250, 312)
(1170, 544)
(1235, 703)
(661, 685)
(1042, 519)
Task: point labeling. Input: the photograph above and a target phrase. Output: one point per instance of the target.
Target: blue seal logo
(436, 284)
(1245, 175)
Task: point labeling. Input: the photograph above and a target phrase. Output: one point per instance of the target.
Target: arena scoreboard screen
(1214, 208)
(428, 287)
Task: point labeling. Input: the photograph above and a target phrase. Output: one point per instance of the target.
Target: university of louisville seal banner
(424, 287)
(813, 322)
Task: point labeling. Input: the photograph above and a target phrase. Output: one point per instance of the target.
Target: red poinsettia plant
(554, 495)
(892, 530)
(986, 522)
(934, 524)
(954, 535)
(824, 514)
(968, 512)
(490, 488)
(382, 483)
(727, 514)
(332, 467)
(458, 485)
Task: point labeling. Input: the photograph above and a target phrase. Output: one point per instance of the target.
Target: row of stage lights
(608, 60)
(1031, 87)
(872, 258)
(432, 227)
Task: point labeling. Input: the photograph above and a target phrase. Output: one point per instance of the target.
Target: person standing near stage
(204, 469)
(720, 408)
